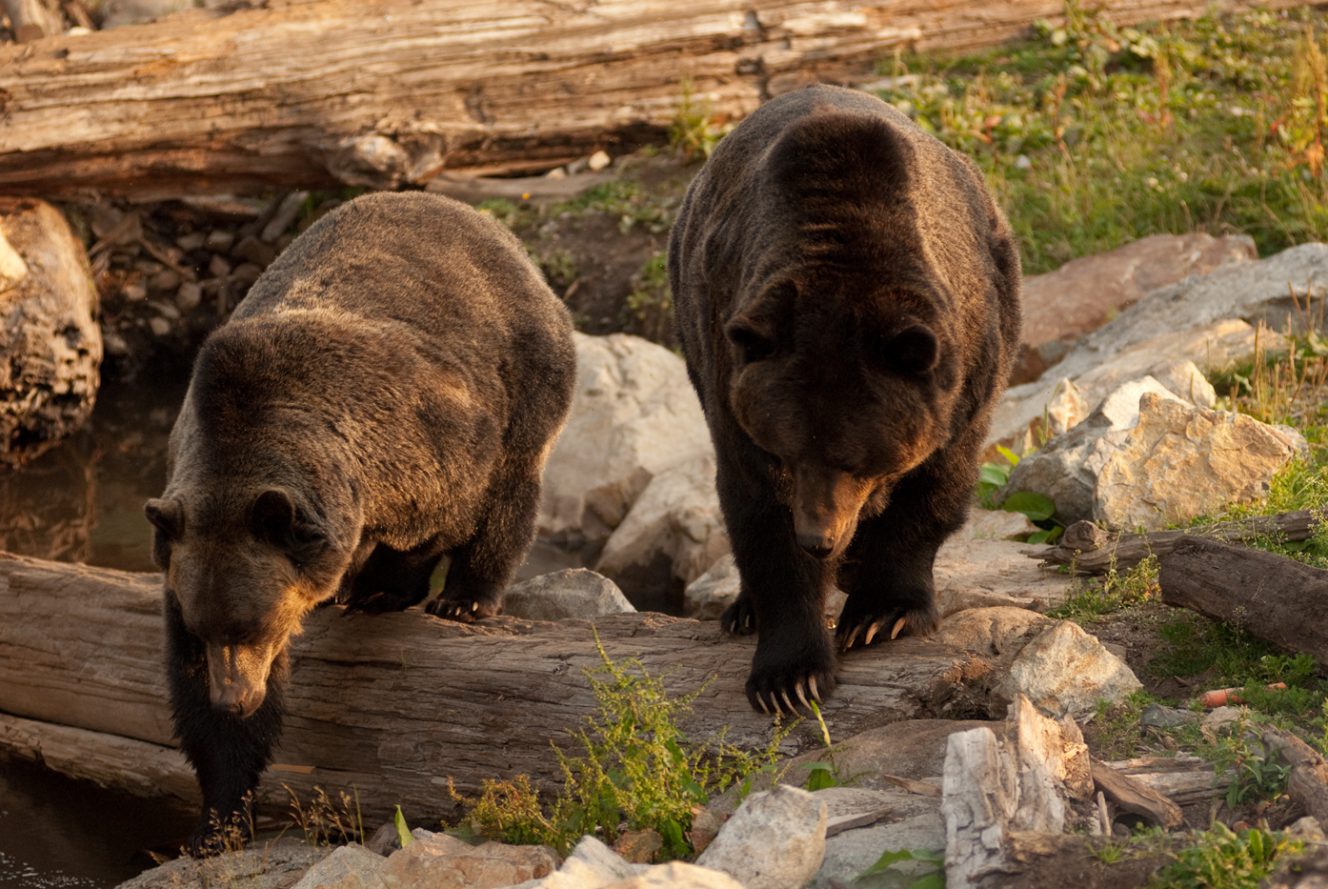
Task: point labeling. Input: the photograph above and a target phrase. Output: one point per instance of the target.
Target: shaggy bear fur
(385, 395)
(847, 297)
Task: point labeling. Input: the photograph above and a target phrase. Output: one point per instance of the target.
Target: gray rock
(671, 535)
(678, 875)
(906, 821)
(274, 865)
(51, 342)
(775, 840)
(590, 865)
(976, 573)
(1181, 462)
(572, 593)
(1082, 294)
(1099, 365)
(348, 867)
(1064, 670)
(706, 597)
(633, 414)
(1185, 381)
(1120, 408)
(1158, 716)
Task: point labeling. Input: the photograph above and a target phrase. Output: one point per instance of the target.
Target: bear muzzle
(237, 676)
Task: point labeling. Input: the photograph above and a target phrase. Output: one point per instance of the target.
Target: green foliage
(1114, 591)
(1220, 858)
(404, 837)
(930, 877)
(1093, 134)
(993, 477)
(624, 199)
(694, 132)
(635, 769)
(1115, 728)
(821, 775)
(649, 307)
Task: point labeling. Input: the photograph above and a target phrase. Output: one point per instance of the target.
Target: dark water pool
(83, 502)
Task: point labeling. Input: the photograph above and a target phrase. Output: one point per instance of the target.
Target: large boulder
(1180, 462)
(1208, 319)
(575, 593)
(775, 840)
(673, 533)
(633, 414)
(1084, 293)
(52, 344)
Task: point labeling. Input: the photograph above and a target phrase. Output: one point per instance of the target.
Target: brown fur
(384, 396)
(848, 301)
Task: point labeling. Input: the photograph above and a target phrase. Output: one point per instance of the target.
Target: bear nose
(818, 546)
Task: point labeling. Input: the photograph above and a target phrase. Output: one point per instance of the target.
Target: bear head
(244, 568)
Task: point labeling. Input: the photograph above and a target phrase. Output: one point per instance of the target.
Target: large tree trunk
(391, 92)
(396, 704)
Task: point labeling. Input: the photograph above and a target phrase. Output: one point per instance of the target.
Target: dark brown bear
(385, 395)
(848, 303)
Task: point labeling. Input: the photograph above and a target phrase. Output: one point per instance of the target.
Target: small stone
(133, 292)
(639, 846)
(706, 597)
(167, 311)
(556, 173)
(189, 296)
(1224, 717)
(1121, 406)
(572, 593)
(1186, 381)
(1066, 408)
(591, 864)
(1157, 716)
(191, 241)
(598, 161)
(348, 867)
(164, 281)
(218, 267)
(12, 267)
(775, 840)
(246, 273)
(284, 216)
(160, 326)
(113, 344)
(251, 249)
(385, 840)
(219, 240)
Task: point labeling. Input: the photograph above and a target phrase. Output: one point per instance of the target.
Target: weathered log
(1308, 782)
(1087, 549)
(1273, 597)
(395, 705)
(1133, 797)
(306, 93)
(31, 19)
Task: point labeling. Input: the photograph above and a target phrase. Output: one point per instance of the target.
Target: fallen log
(396, 705)
(1133, 797)
(309, 93)
(1273, 597)
(1308, 782)
(1086, 548)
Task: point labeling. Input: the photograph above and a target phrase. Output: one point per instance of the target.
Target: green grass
(1096, 597)
(1093, 135)
(1220, 858)
(635, 769)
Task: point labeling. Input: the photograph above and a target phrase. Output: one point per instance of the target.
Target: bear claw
(464, 611)
(780, 701)
(918, 621)
(739, 619)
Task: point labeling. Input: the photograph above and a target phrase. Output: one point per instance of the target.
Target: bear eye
(752, 345)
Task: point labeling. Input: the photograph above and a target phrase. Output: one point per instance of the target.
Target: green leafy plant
(821, 775)
(930, 877)
(635, 769)
(404, 837)
(694, 132)
(1116, 590)
(1220, 858)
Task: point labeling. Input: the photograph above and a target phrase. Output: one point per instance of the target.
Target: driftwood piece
(1308, 782)
(1185, 779)
(1136, 798)
(307, 93)
(1274, 597)
(1087, 549)
(396, 704)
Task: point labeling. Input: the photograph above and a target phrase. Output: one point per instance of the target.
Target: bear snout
(237, 676)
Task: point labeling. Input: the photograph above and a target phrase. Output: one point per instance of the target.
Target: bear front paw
(791, 685)
(463, 609)
(862, 627)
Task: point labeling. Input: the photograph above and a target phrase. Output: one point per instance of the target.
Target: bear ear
(167, 516)
(913, 350)
(275, 518)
